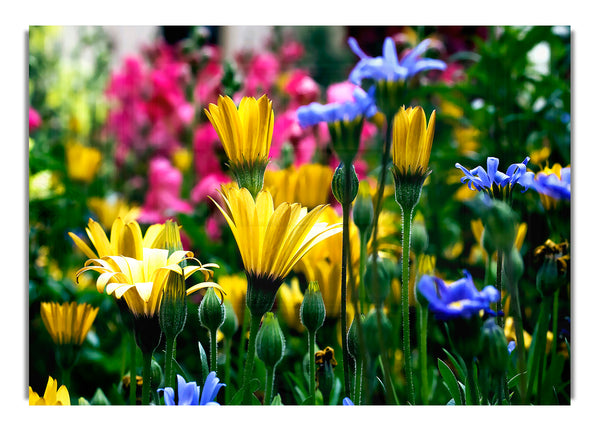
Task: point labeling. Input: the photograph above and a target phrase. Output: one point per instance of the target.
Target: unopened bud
(338, 184)
(231, 324)
(173, 307)
(270, 342)
(352, 337)
(362, 212)
(494, 349)
(312, 310)
(371, 327)
(211, 311)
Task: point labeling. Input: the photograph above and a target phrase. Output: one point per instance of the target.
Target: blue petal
(211, 388)
(347, 402)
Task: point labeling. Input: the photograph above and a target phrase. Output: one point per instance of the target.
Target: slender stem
(132, 370)
(242, 347)
(146, 376)
(312, 339)
(227, 377)
(362, 262)
(213, 350)
(254, 325)
(555, 322)
(406, 226)
(539, 352)
(169, 359)
(270, 382)
(472, 393)
(389, 389)
(345, 243)
(423, 317)
(357, 381)
(521, 363)
(499, 319)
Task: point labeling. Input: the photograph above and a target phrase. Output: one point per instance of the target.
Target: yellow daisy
(68, 323)
(411, 141)
(52, 395)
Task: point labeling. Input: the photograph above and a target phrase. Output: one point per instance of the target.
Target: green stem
(345, 243)
(254, 326)
(499, 319)
(312, 339)
(270, 382)
(357, 381)
(227, 377)
(555, 323)
(213, 350)
(242, 347)
(472, 393)
(169, 360)
(146, 376)
(132, 370)
(362, 263)
(423, 317)
(521, 362)
(539, 350)
(406, 227)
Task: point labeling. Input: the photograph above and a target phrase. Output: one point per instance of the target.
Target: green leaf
(450, 381)
(203, 361)
(459, 366)
(277, 401)
(238, 398)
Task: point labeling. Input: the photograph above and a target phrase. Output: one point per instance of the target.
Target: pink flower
(285, 129)
(209, 186)
(291, 51)
(35, 120)
(262, 73)
(206, 146)
(341, 92)
(213, 227)
(162, 199)
(208, 83)
(302, 88)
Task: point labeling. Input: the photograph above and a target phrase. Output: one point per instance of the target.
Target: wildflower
(52, 396)
(82, 162)
(68, 323)
(188, 394)
(552, 185)
(411, 147)
(126, 239)
(246, 133)
(388, 67)
(493, 179)
(460, 299)
(271, 240)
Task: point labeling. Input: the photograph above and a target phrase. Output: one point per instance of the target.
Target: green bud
(99, 399)
(419, 238)
(513, 267)
(211, 311)
(312, 309)
(270, 342)
(345, 137)
(338, 182)
(500, 222)
(362, 212)
(172, 237)
(173, 307)
(494, 348)
(549, 278)
(231, 324)
(389, 96)
(156, 375)
(352, 337)
(370, 327)
(384, 270)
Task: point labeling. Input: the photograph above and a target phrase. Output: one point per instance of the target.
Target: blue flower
(388, 67)
(315, 113)
(347, 402)
(459, 299)
(188, 394)
(552, 185)
(480, 179)
(511, 346)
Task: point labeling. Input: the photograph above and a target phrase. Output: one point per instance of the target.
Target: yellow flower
(272, 240)
(467, 139)
(309, 184)
(289, 302)
(111, 208)
(235, 285)
(52, 396)
(245, 131)
(126, 239)
(82, 162)
(411, 141)
(182, 159)
(141, 282)
(68, 323)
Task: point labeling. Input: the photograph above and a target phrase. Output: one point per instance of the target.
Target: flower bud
(156, 375)
(231, 324)
(494, 349)
(370, 327)
(513, 267)
(501, 224)
(352, 337)
(173, 308)
(345, 137)
(211, 311)
(270, 342)
(418, 237)
(378, 294)
(362, 212)
(312, 310)
(172, 237)
(338, 184)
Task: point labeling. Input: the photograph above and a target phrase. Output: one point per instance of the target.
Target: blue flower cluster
(552, 186)
(460, 299)
(480, 179)
(188, 394)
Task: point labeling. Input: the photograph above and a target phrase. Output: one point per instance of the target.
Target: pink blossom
(209, 186)
(285, 129)
(206, 146)
(208, 83)
(302, 88)
(162, 199)
(35, 120)
(341, 92)
(262, 73)
(291, 51)
(213, 227)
